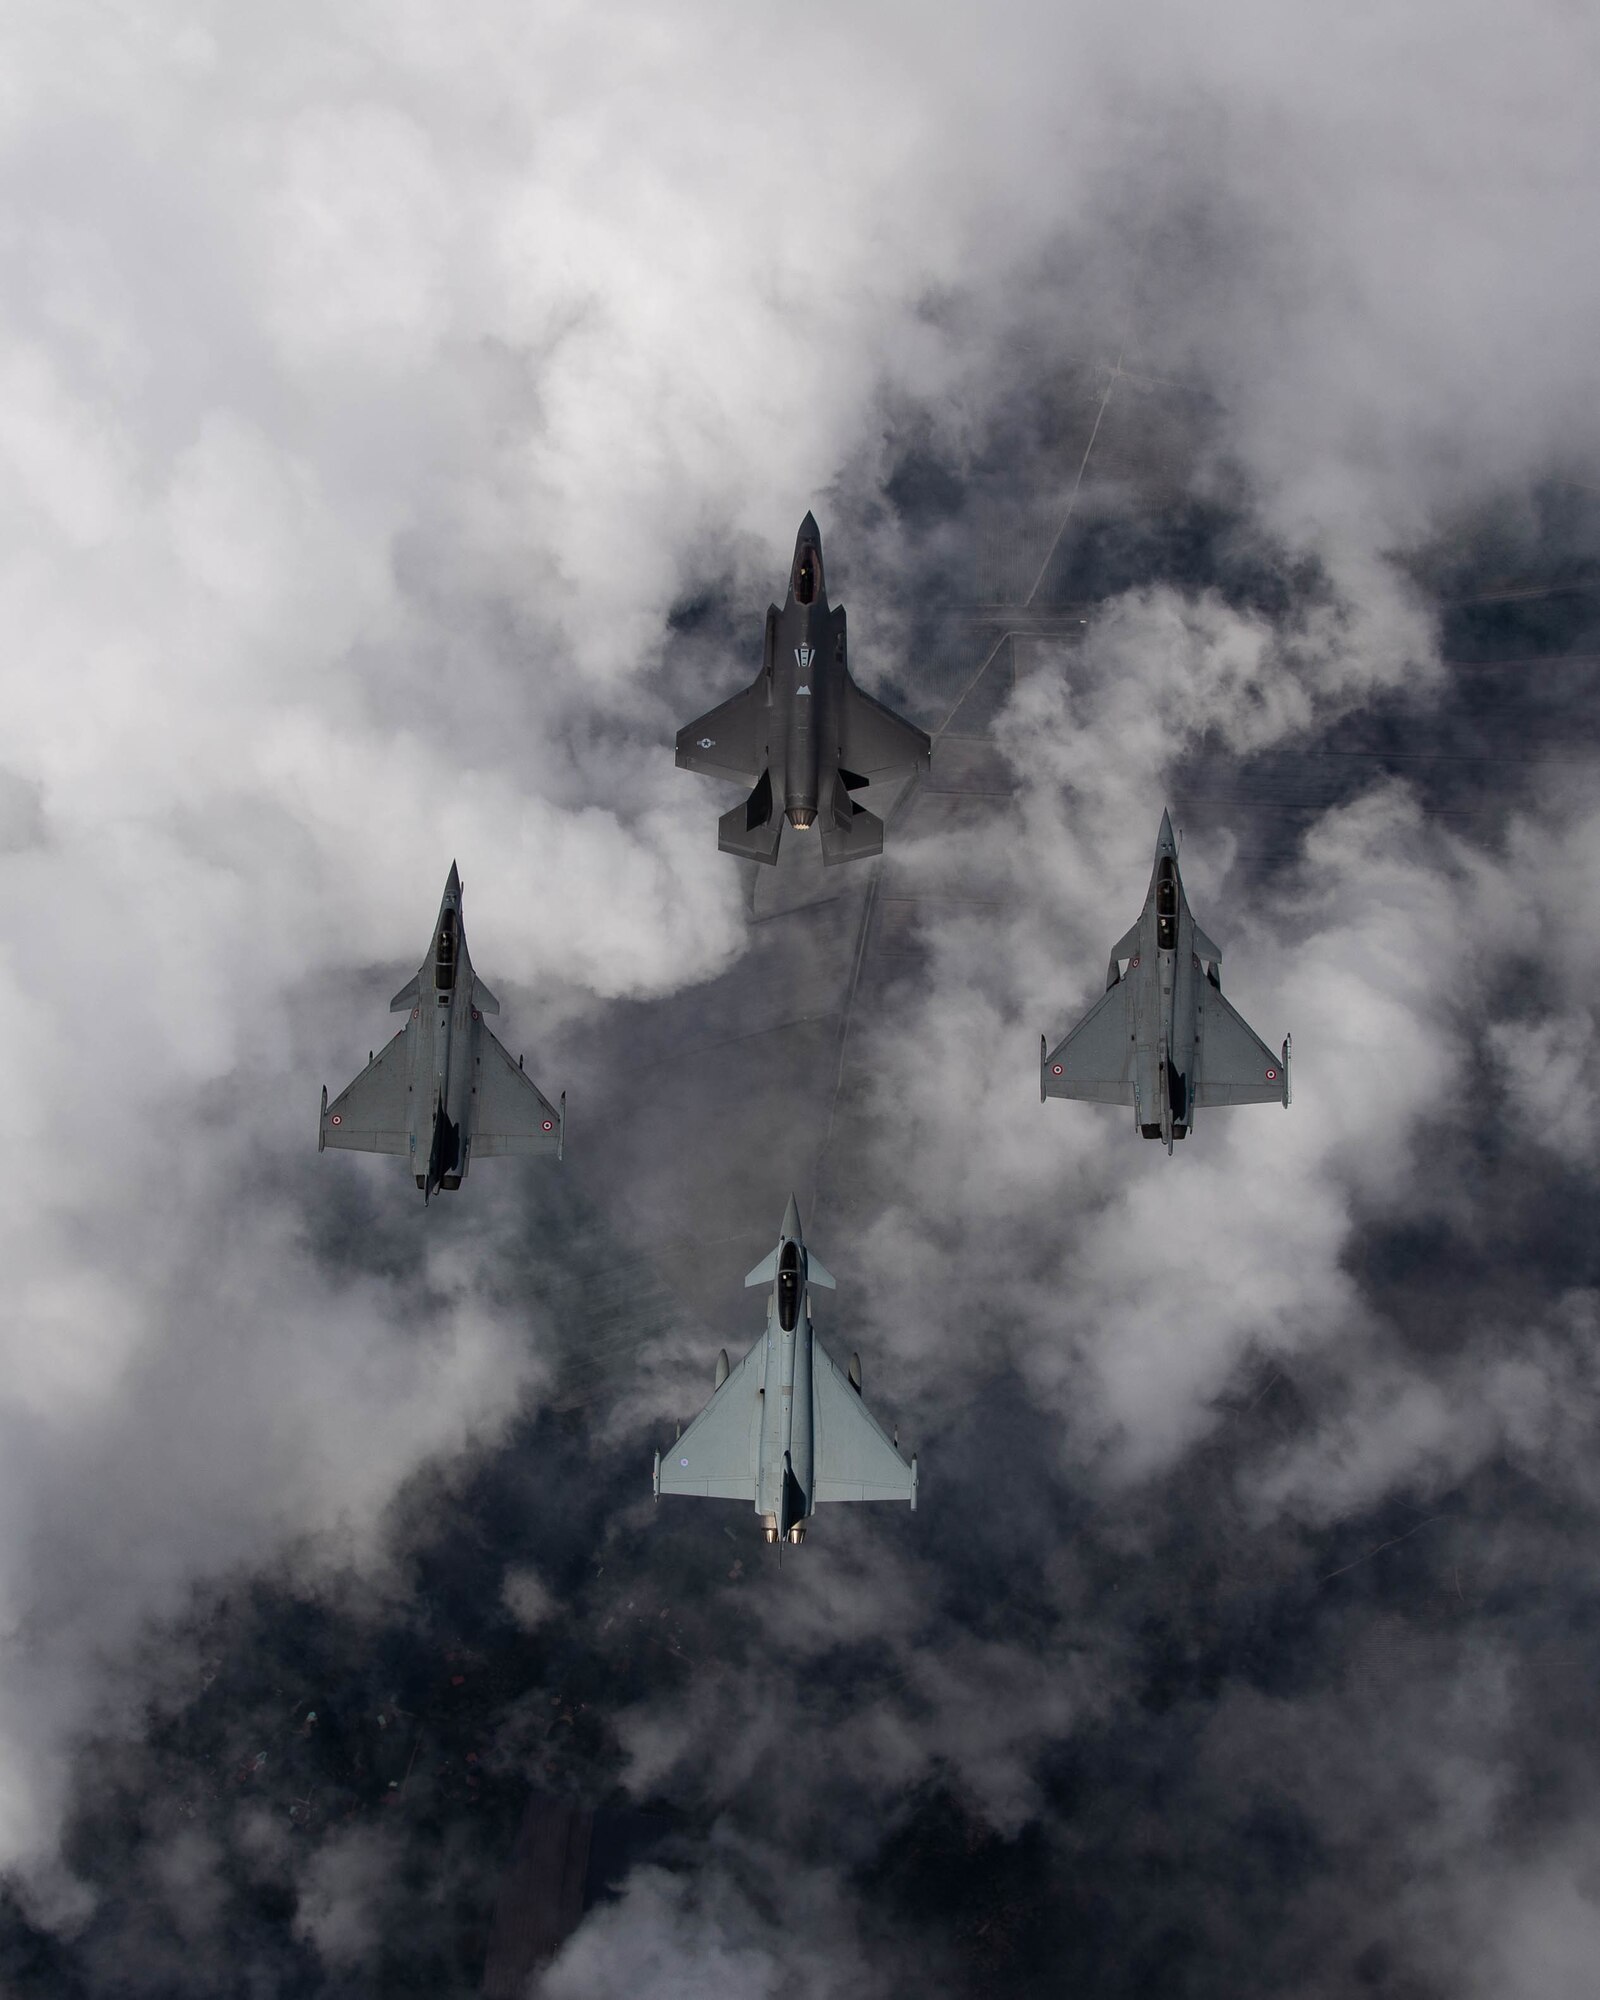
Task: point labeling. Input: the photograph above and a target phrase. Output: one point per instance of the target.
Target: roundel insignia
(476, 1015)
(336, 1119)
(1133, 963)
(549, 1124)
(683, 1461)
(1055, 1069)
(707, 743)
(416, 1013)
(1272, 1076)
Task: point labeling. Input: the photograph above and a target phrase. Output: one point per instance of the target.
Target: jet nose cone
(791, 1222)
(1165, 839)
(809, 532)
(452, 888)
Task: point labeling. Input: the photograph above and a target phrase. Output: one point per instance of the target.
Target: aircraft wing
(730, 741)
(855, 1459)
(1235, 1065)
(373, 1115)
(716, 1457)
(509, 1112)
(873, 740)
(1096, 1060)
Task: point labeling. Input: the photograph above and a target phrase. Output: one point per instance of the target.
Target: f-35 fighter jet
(443, 1090)
(787, 1429)
(804, 736)
(1162, 1038)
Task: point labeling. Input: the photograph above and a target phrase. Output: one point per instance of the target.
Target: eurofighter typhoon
(1162, 1038)
(786, 1429)
(442, 1090)
(804, 737)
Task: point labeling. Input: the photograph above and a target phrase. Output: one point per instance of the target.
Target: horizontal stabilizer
(857, 840)
(482, 998)
(408, 996)
(752, 830)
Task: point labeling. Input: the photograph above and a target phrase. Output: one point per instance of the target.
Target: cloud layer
(403, 424)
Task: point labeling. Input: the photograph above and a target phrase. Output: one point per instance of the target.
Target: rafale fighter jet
(804, 736)
(1162, 1038)
(787, 1428)
(443, 1090)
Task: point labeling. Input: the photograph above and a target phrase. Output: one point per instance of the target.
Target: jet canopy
(789, 1287)
(444, 955)
(1167, 905)
(807, 573)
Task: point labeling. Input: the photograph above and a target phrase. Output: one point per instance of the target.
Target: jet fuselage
(805, 671)
(445, 1015)
(1166, 1008)
(785, 1477)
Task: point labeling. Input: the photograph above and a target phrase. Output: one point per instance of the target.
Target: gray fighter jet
(1162, 1038)
(787, 1429)
(443, 1090)
(804, 737)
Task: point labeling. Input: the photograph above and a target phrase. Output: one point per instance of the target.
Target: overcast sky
(405, 415)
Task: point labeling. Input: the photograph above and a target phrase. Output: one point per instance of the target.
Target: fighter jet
(804, 736)
(1162, 1038)
(787, 1428)
(443, 1089)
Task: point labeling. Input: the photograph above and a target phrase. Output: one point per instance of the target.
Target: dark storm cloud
(404, 425)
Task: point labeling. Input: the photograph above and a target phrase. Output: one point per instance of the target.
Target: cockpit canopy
(444, 955)
(789, 1287)
(1167, 905)
(807, 574)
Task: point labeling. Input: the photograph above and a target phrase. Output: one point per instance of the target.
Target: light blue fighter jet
(1162, 1038)
(786, 1429)
(442, 1091)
